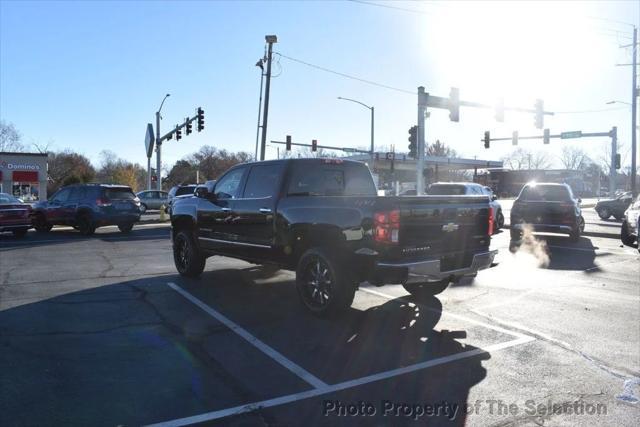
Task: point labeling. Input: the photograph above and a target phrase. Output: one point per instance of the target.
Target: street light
(618, 102)
(159, 144)
(372, 117)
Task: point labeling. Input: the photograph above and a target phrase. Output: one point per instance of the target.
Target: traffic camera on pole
(454, 104)
(314, 145)
(487, 139)
(413, 141)
(200, 119)
(539, 119)
(288, 142)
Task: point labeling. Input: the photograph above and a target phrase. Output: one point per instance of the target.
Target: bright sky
(90, 75)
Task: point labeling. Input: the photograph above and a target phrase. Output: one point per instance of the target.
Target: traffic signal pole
(634, 107)
(158, 153)
(422, 111)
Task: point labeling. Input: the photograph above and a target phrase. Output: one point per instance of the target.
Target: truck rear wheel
(625, 237)
(323, 283)
(187, 257)
(426, 289)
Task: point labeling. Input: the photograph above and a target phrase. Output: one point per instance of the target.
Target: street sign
(572, 134)
(349, 150)
(149, 139)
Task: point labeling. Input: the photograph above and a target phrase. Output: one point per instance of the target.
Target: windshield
(185, 190)
(7, 198)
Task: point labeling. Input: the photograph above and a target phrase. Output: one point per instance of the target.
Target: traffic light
(200, 118)
(487, 139)
(288, 142)
(547, 136)
(189, 127)
(413, 141)
(178, 133)
(314, 145)
(617, 161)
(514, 138)
(500, 110)
(454, 104)
(539, 121)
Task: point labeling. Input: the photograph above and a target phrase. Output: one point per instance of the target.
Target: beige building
(24, 175)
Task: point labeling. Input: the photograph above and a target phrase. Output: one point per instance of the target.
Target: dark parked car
(547, 207)
(88, 206)
(630, 223)
(615, 207)
(469, 189)
(15, 215)
(178, 191)
(323, 219)
(152, 199)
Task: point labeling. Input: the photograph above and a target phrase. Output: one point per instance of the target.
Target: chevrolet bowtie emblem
(450, 227)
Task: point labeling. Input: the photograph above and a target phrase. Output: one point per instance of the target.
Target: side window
(227, 187)
(77, 193)
(62, 195)
(262, 181)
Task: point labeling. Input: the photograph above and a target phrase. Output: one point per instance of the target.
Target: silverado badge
(450, 227)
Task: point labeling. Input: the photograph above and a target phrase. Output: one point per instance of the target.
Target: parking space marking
(291, 398)
(269, 351)
(323, 389)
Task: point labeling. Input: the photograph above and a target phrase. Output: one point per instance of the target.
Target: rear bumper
(546, 228)
(124, 218)
(13, 226)
(430, 270)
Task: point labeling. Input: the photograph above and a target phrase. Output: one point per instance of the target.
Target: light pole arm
(357, 102)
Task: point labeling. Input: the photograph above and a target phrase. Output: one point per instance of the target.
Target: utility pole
(259, 64)
(372, 152)
(614, 151)
(422, 111)
(159, 144)
(634, 106)
(270, 41)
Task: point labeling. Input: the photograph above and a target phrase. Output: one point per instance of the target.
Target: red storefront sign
(25, 176)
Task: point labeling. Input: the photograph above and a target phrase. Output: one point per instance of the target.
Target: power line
(591, 111)
(348, 76)
(404, 9)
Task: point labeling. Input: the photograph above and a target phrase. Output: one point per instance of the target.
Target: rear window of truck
(323, 179)
(446, 190)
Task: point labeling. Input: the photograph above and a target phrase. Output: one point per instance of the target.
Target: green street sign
(349, 150)
(573, 134)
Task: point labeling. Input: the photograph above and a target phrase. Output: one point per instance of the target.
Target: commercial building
(24, 175)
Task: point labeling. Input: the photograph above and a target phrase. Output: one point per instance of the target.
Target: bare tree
(525, 159)
(10, 138)
(440, 149)
(574, 158)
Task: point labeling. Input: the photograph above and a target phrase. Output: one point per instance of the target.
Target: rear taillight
(386, 227)
(490, 226)
(102, 202)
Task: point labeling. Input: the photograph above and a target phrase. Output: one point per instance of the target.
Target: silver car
(152, 199)
(630, 224)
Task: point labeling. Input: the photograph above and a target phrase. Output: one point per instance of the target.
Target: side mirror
(494, 197)
(202, 192)
(579, 200)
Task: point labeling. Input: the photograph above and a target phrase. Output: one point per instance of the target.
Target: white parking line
(306, 376)
(323, 389)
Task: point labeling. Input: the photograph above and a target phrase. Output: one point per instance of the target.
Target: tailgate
(439, 225)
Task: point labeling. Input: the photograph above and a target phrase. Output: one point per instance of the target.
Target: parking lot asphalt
(101, 330)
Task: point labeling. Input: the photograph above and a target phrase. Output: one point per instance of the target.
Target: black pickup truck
(323, 219)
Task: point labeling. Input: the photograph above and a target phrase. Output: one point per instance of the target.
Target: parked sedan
(15, 215)
(180, 190)
(629, 229)
(152, 199)
(615, 206)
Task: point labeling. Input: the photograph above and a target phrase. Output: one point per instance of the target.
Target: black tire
(618, 217)
(604, 213)
(187, 256)
(323, 282)
(499, 221)
(20, 232)
(515, 234)
(40, 224)
(125, 228)
(429, 289)
(574, 236)
(143, 208)
(625, 237)
(581, 224)
(85, 225)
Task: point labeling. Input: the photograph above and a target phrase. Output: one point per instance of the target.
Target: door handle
(265, 210)
(225, 209)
